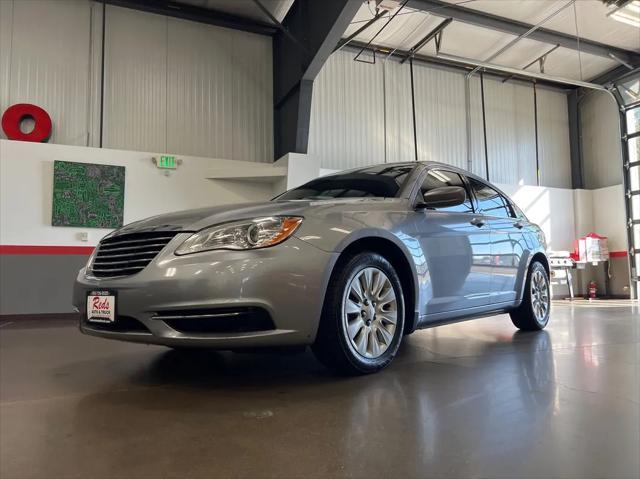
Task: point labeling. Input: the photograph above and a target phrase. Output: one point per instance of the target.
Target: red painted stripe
(53, 250)
(618, 254)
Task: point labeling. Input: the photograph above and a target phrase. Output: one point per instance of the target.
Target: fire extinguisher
(593, 290)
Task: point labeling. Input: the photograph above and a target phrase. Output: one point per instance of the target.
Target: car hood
(194, 220)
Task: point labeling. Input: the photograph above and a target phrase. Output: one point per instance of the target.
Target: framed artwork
(87, 195)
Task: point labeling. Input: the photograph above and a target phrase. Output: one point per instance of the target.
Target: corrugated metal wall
(440, 116)
(600, 136)
(347, 119)
(511, 141)
(361, 114)
(51, 74)
(135, 81)
(553, 139)
(170, 85)
(187, 88)
(399, 117)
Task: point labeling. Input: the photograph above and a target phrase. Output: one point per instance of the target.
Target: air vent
(221, 320)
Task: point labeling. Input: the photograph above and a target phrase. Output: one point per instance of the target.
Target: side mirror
(443, 197)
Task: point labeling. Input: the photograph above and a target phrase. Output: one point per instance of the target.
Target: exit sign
(167, 161)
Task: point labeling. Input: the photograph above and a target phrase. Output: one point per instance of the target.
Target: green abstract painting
(87, 195)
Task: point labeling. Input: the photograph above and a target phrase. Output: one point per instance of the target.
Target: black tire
(524, 317)
(332, 346)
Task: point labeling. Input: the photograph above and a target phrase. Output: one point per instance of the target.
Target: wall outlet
(83, 236)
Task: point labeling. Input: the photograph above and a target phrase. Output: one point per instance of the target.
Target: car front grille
(128, 254)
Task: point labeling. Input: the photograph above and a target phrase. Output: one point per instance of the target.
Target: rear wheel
(533, 313)
(363, 316)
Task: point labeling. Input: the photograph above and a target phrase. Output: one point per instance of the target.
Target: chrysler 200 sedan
(347, 263)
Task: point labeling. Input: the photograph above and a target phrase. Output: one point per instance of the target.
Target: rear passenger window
(438, 178)
(489, 200)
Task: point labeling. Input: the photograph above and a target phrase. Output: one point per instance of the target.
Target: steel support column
(318, 26)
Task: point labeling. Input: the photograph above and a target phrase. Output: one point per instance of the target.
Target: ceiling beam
(514, 27)
(519, 72)
(197, 14)
(458, 65)
(613, 75)
(427, 38)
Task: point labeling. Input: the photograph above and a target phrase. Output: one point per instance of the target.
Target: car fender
(339, 239)
(522, 276)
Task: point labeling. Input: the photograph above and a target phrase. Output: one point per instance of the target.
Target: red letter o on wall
(15, 114)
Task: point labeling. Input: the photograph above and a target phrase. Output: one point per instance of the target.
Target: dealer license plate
(101, 306)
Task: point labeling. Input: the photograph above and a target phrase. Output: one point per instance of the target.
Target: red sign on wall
(16, 114)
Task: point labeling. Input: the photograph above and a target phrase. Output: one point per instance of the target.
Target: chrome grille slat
(111, 270)
(110, 241)
(129, 253)
(117, 247)
(198, 316)
(137, 254)
(104, 263)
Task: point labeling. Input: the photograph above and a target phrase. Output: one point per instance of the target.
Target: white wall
(602, 211)
(538, 203)
(170, 85)
(26, 185)
(361, 114)
(565, 215)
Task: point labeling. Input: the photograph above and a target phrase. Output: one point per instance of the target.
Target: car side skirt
(449, 317)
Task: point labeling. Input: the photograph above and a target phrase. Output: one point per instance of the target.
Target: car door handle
(519, 224)
(479, 222)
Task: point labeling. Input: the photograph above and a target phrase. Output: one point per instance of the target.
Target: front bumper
(288, 281)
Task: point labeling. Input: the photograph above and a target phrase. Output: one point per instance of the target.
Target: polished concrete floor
(474, 399)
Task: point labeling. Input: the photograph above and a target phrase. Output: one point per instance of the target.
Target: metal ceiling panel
(591, 14)
(470, 41)
(245, 8)
(566, 63)
(405, 29)
(479, 43)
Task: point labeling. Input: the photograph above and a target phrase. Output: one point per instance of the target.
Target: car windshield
(383, 181)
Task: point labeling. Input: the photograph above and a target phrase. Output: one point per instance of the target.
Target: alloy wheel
(370, 313)
(539, 296)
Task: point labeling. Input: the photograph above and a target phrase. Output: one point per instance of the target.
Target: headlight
(248, 234)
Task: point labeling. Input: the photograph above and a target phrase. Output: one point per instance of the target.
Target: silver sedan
(347, 264)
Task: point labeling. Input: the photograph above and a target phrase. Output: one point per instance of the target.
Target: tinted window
(377, 181)
(489, 200)
(438, 178)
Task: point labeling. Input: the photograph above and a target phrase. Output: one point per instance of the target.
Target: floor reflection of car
(509, 379)
(347, 263)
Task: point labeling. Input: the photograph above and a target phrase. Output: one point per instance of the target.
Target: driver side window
(439, 178)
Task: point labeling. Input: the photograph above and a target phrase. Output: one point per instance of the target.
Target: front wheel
(533, 313)
(363, 316)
